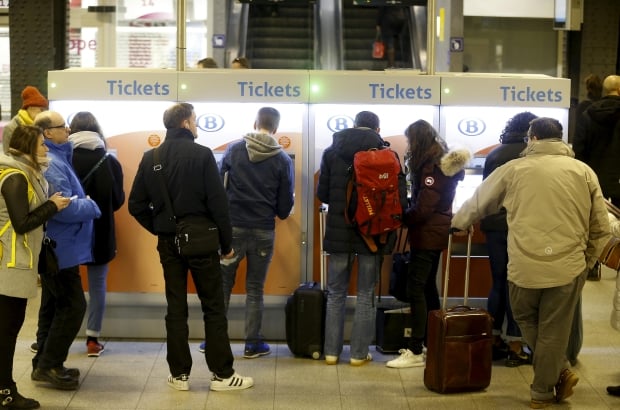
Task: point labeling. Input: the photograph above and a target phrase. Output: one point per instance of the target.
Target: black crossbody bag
(196, 235)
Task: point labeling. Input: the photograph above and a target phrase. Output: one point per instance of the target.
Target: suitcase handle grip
(460, 308)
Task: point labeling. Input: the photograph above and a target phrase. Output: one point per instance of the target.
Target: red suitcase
(459, 344)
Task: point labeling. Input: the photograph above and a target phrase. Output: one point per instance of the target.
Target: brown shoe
(565, 384)
(541, 404)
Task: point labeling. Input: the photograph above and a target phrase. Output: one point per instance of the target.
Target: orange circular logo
(284, 141)
(154, 140)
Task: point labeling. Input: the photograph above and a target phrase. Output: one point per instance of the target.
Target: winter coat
(104, 186)
(597, 142)
(260, 181)
(433, 189)
(71, 228)
(511, 147)
(337, 159)
(21, 226)
(554, 234)
(21, 118)
(194, 186)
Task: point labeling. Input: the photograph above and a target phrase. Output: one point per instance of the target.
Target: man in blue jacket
(260, 185)
(191, 178)
(62, 297)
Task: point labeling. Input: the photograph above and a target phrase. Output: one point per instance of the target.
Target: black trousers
(12, 314)
(207, 277)
(60, 316)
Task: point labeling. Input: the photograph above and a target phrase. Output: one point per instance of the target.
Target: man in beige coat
(557, 228)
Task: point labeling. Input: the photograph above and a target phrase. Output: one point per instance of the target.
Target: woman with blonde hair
(24, 208)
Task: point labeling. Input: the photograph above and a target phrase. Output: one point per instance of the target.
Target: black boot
(11, 399)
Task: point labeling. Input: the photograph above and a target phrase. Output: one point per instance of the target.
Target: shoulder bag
(196, 235)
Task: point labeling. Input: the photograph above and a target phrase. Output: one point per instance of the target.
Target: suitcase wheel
(316, 355)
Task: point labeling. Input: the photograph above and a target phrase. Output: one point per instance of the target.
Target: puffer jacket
(597, 142)
(554, 234)
(21, 226)
(511, 147)
(433, 190)
(71, 228)
(260, 181)
(341, 237)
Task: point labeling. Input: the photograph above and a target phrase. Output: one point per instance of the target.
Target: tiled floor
(131, 375)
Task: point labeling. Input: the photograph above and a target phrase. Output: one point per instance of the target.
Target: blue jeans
(256, 245)
(422, 293)
(499, 302)
(97, 287)
(60, 316)
(338, 276)
(207, 278)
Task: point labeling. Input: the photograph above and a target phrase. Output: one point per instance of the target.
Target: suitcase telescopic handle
(447, 274)
(322, 216)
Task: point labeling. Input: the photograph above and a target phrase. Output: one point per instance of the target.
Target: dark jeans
(499, 302)
(12, 312)
(207, 278)
(422, 293)
(60, 316)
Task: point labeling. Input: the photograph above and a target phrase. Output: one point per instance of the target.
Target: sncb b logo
(472, 126)
(339, 123)
(210, 122)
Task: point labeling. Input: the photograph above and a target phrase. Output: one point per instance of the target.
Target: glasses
(58, 126)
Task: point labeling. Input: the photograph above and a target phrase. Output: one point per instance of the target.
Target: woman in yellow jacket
(24, 208)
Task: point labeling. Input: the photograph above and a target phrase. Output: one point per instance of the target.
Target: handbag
(400, 267)
(195, 235)
(48, 261)
(610, 256)
(378, 48)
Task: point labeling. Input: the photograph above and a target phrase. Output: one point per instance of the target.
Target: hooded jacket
(597, 142)
(21, 221)
(259, 180)
(335, 173)
(429, 216)
(104, 186)
(194, 186)
(511, 147)
(71, 228)
(556, 214)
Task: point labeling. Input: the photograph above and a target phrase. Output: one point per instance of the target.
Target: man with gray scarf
(260, 184)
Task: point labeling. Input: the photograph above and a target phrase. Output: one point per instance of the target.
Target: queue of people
(67, 186)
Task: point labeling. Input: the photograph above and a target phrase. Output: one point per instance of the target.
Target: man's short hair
(175, 115)
(366, 119)
(268, 118)
(545, 128)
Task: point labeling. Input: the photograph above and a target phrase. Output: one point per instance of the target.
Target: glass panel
(142, 33)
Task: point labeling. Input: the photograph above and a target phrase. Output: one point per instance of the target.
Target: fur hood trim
(454, 161)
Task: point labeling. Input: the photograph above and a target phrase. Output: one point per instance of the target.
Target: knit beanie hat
(31, 97)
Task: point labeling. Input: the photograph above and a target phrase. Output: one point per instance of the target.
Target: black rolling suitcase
(305, 311)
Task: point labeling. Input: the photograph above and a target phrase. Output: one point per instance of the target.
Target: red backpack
(373, 196)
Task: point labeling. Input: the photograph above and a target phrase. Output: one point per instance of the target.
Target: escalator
(286, 34)
(281, 35)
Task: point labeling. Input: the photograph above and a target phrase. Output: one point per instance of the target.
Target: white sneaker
(331, 360)
(406, 359)
(180, 382)
(361, 362)
(234, 382)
